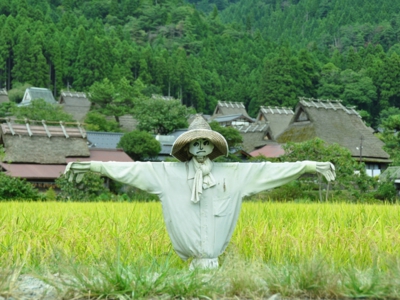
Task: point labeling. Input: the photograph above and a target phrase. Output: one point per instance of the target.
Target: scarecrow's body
(202, 230)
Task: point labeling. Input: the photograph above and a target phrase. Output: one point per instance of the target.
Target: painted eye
(196, 144)
(206, 143)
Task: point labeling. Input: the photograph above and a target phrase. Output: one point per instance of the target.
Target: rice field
(294, 249)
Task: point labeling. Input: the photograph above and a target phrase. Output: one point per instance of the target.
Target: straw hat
(199, 129)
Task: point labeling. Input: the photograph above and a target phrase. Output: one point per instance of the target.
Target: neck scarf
(203, 178)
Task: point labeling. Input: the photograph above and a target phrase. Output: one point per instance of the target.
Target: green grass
(122, 251)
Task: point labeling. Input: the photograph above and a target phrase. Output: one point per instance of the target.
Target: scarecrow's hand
(77, 169)
(327, 169)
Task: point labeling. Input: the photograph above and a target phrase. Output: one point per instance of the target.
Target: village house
(229, 108)
(334, 123)
(278, 119)
(256, 133)
(40, 152)
(75, 103)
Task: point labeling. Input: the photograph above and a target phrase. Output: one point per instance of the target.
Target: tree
(24, 59)
(391, 137)
(161, 116)
(358, 89)
(330, 86)
(140, 145)
(317, 150)
(95, 121)
(41, 110)
(389, 83)
(277, 84)
(113, 100)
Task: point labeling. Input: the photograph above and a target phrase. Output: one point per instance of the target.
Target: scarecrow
(201, 199)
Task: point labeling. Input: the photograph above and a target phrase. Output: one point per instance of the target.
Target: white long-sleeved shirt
(203, 229)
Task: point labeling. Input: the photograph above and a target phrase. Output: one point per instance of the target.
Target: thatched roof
(254, 135)
(278, 118)
(229, 108)
(334, 123)
(3, 96)
(24, 143)
(76, 104)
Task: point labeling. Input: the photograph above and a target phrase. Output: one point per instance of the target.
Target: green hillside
(332, 24)
(255, 52)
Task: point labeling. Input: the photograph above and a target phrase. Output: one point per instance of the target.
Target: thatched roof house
(229, 108)
(34, 93)
(39, 153)
(335, 123)
(278, 118)
(76, 104)
(255, 135)
(3, 96)
(42, 144)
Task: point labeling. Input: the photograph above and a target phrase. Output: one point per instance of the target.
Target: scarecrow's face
(201, 147)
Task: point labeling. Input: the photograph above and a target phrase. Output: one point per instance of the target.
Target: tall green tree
(24, 59)
(358, 89)
(277, 83)
(391, 137)
(389, 82)
(330, 85)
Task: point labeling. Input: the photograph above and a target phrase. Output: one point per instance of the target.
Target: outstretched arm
(143, 175)
(258, 177)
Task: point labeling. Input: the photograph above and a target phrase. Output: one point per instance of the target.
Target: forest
(259, 52)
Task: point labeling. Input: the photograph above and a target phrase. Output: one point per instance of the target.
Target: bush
(386, 191)
(50, 194)
(91, 186)
(139, 145)
(12, 188)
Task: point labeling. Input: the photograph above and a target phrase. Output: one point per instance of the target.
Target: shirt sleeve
(262, 176)
(146, 176)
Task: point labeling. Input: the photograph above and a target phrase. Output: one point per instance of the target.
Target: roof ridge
(328, 104)
(277, 110)
(73, 94)
(231, 104)
(42, 129)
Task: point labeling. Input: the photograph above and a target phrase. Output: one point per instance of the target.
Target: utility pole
(361, 146)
